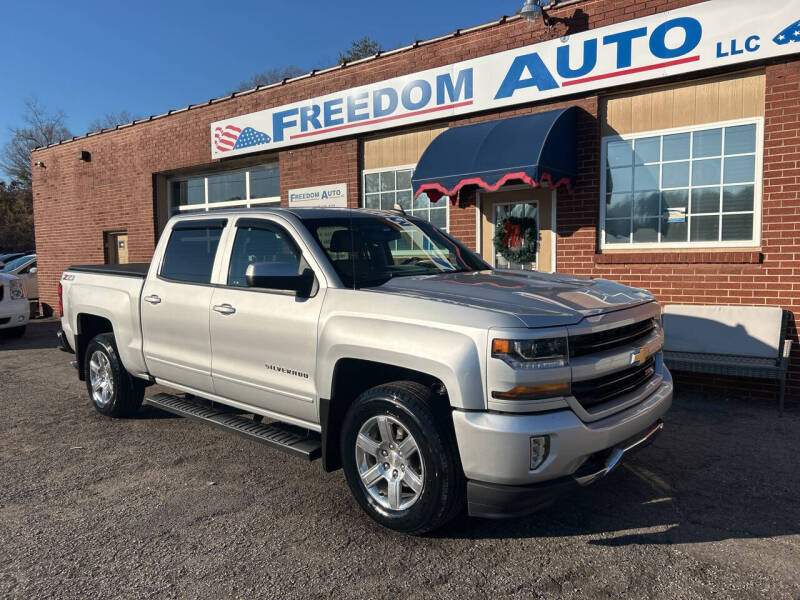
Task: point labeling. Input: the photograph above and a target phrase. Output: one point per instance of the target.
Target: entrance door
(122, 248)
(116, 247)
(524, 203)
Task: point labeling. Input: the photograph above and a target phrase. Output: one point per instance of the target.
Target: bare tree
(359, 49)
(16, 217)
(111, 120)
(269, 76)
(39, 128)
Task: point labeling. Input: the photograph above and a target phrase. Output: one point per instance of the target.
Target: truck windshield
(371, 248)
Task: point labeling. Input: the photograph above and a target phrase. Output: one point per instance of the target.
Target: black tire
(127, 392)
(14, 332)
(420, 412)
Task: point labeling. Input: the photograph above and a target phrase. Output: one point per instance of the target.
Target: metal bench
(738, 341)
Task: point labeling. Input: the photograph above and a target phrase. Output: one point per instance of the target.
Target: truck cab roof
(300, 213)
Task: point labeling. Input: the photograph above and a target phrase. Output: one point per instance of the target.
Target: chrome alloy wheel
(101, 379)
(389, 463)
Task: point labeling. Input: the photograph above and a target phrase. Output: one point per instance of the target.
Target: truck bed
(129, 270)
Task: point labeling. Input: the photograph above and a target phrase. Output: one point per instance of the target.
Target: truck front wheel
(400, 458)
(114, 392)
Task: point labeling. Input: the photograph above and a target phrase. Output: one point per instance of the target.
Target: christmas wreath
(517, 239)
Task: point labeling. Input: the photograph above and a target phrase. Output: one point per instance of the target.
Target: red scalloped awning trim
(436, 191)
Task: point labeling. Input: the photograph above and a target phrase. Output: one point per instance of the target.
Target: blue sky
(89, 58)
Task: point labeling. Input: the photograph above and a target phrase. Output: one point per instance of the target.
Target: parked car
(4, 258)
(382, 345)
(14, 308)
(25, 268)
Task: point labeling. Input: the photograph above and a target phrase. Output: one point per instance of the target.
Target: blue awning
(535, 149)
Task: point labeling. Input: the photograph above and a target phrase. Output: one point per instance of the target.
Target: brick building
(687, 150)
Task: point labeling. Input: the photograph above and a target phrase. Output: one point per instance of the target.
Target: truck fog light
(540, 447)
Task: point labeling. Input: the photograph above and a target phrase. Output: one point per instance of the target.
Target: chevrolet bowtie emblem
(639, 355)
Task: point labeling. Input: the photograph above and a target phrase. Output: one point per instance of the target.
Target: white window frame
(755, 242)
(412, 167)
(207, 206)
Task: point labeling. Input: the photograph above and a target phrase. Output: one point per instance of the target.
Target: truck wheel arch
(352, 377)
(89, 326)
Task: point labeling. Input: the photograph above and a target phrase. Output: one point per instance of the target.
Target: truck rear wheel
(400, 460)
(114, 392)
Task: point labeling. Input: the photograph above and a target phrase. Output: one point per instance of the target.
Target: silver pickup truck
(382, 345)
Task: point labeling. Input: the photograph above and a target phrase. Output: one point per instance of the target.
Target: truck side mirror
(280, 276)
(33, 271)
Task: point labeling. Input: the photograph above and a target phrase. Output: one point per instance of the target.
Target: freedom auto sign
(712, 34)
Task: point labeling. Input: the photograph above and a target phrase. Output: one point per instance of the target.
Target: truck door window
(261, 244)
(190, 254)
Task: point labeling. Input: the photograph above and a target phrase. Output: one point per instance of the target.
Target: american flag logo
(790, 34)
(231, 137)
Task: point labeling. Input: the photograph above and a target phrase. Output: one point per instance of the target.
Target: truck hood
(537, 299)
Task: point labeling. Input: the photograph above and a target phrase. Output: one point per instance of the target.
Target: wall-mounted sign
(322, 196)
(717, 33)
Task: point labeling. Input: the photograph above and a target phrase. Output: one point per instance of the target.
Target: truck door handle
(224, 309)
(152, 299)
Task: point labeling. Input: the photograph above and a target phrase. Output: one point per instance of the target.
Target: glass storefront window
(265, 183)
(186, 192)
(384, 188)
(227, 187)
(216, 191)
(196, 191)
(697, 187)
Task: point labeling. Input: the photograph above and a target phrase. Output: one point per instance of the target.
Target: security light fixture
(85, 156)
(534, 9)
(531, 10)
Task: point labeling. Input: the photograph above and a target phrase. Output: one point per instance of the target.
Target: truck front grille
(589, 343)
(592, 392)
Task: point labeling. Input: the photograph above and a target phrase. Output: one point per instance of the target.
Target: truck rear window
(190, 255)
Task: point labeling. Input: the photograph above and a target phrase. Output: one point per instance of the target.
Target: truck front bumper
(495, 501)
(495, 450)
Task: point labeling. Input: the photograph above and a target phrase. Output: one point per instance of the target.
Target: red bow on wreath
(512, 235)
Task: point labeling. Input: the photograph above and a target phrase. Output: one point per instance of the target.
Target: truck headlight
(546, 353)
(17, 292)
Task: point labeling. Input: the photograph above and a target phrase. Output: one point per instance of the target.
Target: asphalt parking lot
(162, 507)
